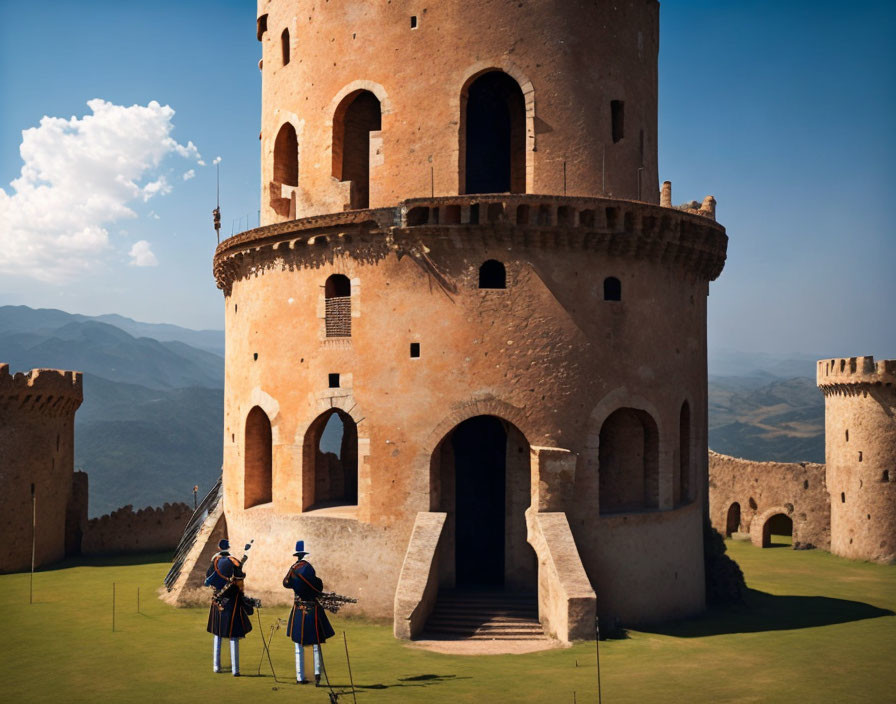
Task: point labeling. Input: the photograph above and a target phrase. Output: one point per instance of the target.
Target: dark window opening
(860, 455)
(494, 135)
(413, 21)
(286, 156)
(847, 435)
(255, 356)
(415, 350)
(842, 498)
(885, 477)
(257, 471)
(284, 46)
(261, 26)
(617, 113)
(628, 476)
(805, 484)
(338, 306)
(612, 289)
(330, 461)
(752, 503)
(732, 522)
(357, 116)
(612, 218)
(492, 274)
(333, 381)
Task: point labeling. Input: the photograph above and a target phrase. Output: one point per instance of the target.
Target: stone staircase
(484, 615)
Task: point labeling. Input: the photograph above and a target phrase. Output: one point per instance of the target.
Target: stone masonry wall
(765, 489)
(128, 531)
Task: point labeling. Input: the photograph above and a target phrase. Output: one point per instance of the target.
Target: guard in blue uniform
(308, 623)
(228, 616)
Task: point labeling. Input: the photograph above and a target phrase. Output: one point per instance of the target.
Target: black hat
(224, 544)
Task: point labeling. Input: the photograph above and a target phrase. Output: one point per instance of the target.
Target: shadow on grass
(415, 681)
(768, 612)
(143, 558)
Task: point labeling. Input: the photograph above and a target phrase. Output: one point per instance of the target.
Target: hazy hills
(151, 423)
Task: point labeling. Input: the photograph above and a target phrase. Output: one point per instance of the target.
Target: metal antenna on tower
(216, 213)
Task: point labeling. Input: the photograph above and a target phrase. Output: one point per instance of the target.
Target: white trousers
(234, 655)
(300, 660)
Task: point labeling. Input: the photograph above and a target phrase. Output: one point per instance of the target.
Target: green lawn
(818, 629)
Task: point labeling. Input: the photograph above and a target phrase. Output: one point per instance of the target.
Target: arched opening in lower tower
(480, 477)
(493, 135)
(257, 469)
(628, 462)
(330, 461)
(357, 116)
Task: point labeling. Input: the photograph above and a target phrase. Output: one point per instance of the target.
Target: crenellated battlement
(53, 392)
(834, 375)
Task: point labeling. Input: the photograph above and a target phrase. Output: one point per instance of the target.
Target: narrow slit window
(413, 21)
(284, 46)
(333, 380)
(617, 114)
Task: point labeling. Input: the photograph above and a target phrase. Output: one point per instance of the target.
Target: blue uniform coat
(308, 622)
(233, 620)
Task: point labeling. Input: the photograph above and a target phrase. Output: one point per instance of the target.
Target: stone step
(484, 615)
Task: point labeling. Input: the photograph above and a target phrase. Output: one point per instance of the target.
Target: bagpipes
(330, 601)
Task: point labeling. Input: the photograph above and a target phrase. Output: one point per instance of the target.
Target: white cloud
(189, 174)
(80, 176)
(217, 160)
(141, 254)
(201, 162)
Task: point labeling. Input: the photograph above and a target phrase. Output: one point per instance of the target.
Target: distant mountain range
(151, 424)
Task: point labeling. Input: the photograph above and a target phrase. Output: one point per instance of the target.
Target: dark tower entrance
(480, 459)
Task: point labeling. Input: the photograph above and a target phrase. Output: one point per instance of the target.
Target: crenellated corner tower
(860, 455)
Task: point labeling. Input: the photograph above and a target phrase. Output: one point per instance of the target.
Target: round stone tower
(467, 346)
(37, 418)
(860, 455)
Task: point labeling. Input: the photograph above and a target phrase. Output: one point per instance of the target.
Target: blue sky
(782, 110)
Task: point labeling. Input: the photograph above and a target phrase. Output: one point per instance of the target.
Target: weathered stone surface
(37, 416)
(418, 582)
(860, 455)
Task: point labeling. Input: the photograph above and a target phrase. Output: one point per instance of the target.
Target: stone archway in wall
(773, 527)
(732, 520)
(330, 461)
(480, 477)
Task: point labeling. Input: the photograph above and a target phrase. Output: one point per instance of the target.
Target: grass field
(818, 629)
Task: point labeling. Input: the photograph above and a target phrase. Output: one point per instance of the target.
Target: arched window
(612, 289)
(684, 455)
(492, 275)
(493, 112)
(330, 461)
(338, 295)
(257, 470)
(286, 168)
(628, 462)
(284, 46)
(357, 116)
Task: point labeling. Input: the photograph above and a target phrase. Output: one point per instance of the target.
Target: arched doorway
(357, 116)
(732, 520)
(493, 114)
(480, 477)
(777, 531)
(330, 461)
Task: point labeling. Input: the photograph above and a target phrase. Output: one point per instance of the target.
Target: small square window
(415, 350)
(334, 381)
